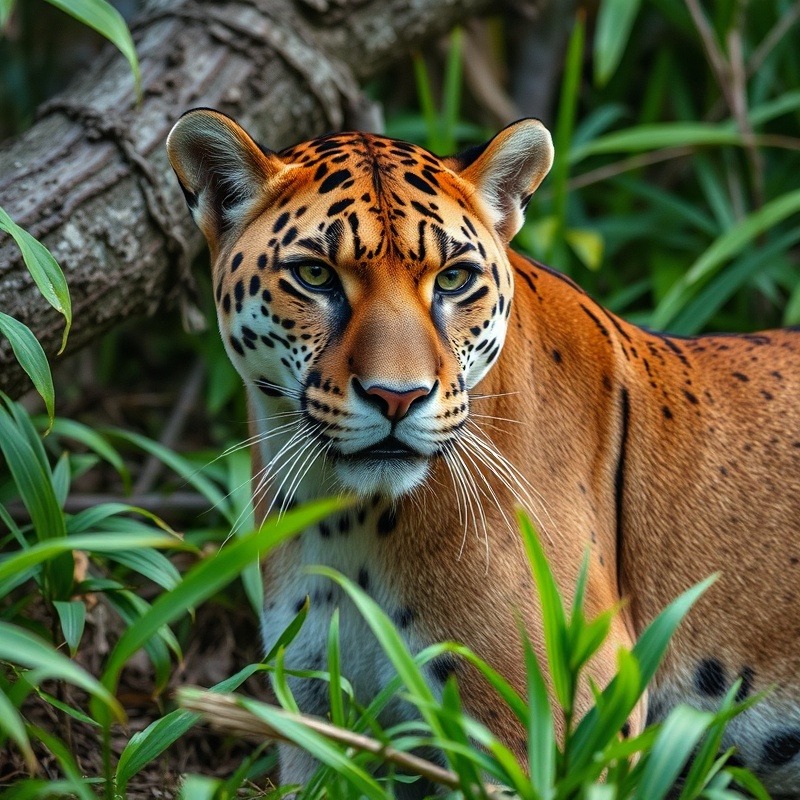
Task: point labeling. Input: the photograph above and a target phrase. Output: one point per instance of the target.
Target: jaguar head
(362, 283)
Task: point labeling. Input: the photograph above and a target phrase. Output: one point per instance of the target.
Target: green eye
(454, 279)
(314, 276)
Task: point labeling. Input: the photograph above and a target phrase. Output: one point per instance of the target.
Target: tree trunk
(91, 180)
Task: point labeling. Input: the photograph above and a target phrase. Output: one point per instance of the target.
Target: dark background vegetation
(674, 200)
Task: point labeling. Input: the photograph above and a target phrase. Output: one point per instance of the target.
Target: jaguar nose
(394, 404)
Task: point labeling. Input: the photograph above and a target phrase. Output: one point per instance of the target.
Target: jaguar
(394, 347)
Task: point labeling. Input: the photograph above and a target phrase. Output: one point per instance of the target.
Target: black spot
(281, 222)
(556, 356)
(324, 531)
(299, 605)
(289, 236)
(387, 522)
(709, 679)
(419, 182)
(782, 748)
(262, 261)
(741, 377)
(443, 667)
(403, 617)
(474, 297)
(344, 525)
(626, 730)
(363, 578)
(340, 206)
(746, 687)
(226, 303)
(665, 410)
(333, 180)
(690, 397)
(255, 285)
(237, 259)
(237, 345)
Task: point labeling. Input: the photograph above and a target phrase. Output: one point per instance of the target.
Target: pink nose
(397, 403)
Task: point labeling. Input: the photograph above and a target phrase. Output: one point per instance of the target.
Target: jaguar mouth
(388, 449)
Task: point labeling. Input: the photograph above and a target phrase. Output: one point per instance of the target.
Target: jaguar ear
(507, 170)
(224, 174)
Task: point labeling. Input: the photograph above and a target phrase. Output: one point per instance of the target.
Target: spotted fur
(667, 458)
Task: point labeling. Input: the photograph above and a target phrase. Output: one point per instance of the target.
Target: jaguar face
(361, 282)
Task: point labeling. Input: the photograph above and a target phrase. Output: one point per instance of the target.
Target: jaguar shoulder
(393, 346)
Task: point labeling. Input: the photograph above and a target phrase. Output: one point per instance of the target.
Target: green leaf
(6, 9)
(11, 725)
(614, 22)
(91, 542)
(71, 429)
(209, 576)
(108, 22)
(151, 564)
(44, 270)
(78, 784)
(647, 138)
(148, 744)
(652, 644)
(553, 619)
(724, 247)
(181, 466)
(310, 741)
(19, 646)
(335, 672)
(587, 245)
(199, 787)
(31, 357)
(673, 747)
(72, 616)
(27, 463)
(542, 748)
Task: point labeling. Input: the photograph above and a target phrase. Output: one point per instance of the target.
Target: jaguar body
(393, 346)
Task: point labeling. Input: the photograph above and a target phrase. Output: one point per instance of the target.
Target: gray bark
(91, 180)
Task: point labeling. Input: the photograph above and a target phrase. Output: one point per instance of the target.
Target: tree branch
(91, 178)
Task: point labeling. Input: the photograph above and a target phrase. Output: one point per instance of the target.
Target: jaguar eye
(454, 279)
(314, 276)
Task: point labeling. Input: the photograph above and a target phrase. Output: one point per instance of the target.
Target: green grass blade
(79, 785)
(390, 641)
(32, 359)
(335, 671)
(151, 564)
(44, 270)
(6, 8)
(11, 725)
(92, 542)
(310, 741)
(70, 429)
(652, 644)
(565, 124)
(178, 464)
(108, 22)
(209, 576)
(553, 618)
(647, 138)
(150, 743)
(22, 647)
(673, 747)
(451, 98)
(614, 22)
(724, 247)
(542, 748)
(72, 616)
